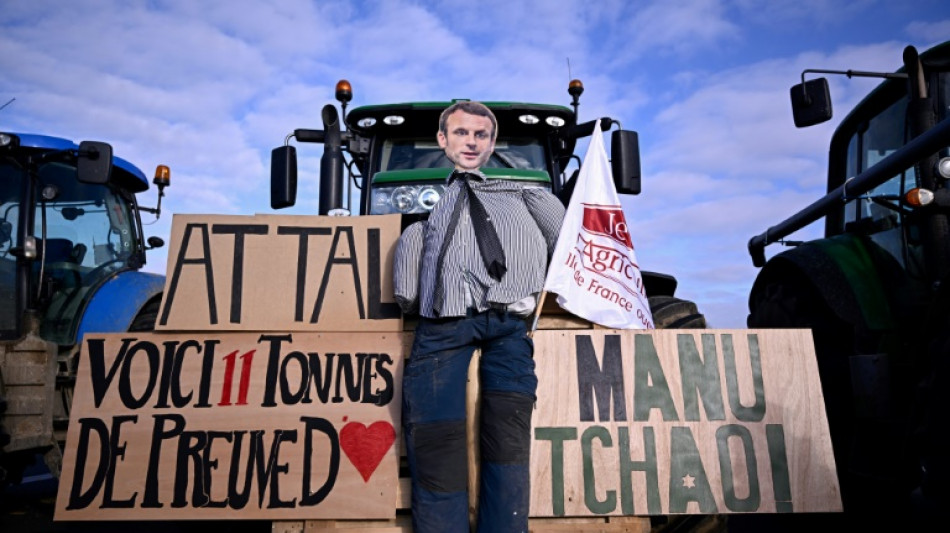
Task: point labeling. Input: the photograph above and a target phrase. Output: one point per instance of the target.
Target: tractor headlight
(405, 199)
(7, 139)
(428, 197)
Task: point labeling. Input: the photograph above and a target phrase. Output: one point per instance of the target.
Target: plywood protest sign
(280, 273)
(234, 425)
(663, 422)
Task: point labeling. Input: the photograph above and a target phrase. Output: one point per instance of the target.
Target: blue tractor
(71, 250)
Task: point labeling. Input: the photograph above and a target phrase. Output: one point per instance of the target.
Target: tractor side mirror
(155, 242)
(94, 164)
(625, 161)
(283, 177)
(811, 102)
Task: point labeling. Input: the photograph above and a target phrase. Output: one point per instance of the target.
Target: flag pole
(537, 313)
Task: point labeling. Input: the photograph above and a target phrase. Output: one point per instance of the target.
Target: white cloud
(210, 88)
(930, 32)
(666, 29)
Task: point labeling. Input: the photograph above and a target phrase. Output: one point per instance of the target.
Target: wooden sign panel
(679, 422)
(280, 273)
(306, 425)
(234, 426)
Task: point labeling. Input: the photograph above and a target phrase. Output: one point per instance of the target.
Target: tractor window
(878, 213)
(408, 154)
(518, 153)
(94, 218)
(88, 236)
(402, 154)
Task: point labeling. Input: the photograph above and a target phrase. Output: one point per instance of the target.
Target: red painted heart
(366, 446)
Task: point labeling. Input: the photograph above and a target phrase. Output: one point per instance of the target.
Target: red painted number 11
(229, 361)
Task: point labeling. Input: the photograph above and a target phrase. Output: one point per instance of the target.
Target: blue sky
(210, 87)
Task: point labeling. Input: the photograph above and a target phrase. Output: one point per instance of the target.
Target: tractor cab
(68, 222)
(396, 164)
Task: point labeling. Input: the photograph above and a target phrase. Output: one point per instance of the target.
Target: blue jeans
(433, 419)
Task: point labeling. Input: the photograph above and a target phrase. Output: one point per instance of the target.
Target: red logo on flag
(607, 220)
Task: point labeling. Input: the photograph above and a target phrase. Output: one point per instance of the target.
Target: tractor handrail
(922, 146)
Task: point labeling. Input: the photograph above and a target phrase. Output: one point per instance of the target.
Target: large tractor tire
(670, 312)
(871, 502)
(145, 320)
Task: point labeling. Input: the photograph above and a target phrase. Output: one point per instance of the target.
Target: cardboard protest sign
(234, 426)
(664, 422)
(280, 273)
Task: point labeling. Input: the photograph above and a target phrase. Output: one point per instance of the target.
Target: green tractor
(396, 166)
(875, 290)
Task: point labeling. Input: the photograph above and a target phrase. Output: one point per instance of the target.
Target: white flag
(594, 269)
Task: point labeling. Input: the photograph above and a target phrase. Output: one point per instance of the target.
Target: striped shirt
(527, 219)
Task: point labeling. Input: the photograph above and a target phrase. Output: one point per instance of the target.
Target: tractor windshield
(403, 154)
(83, 234)
(410, 178)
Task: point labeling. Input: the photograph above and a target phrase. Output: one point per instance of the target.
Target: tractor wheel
(670, 312)
(145, 320)
(870, 502)
(796, 304)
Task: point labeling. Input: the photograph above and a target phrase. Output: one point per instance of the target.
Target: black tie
(489, 244)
